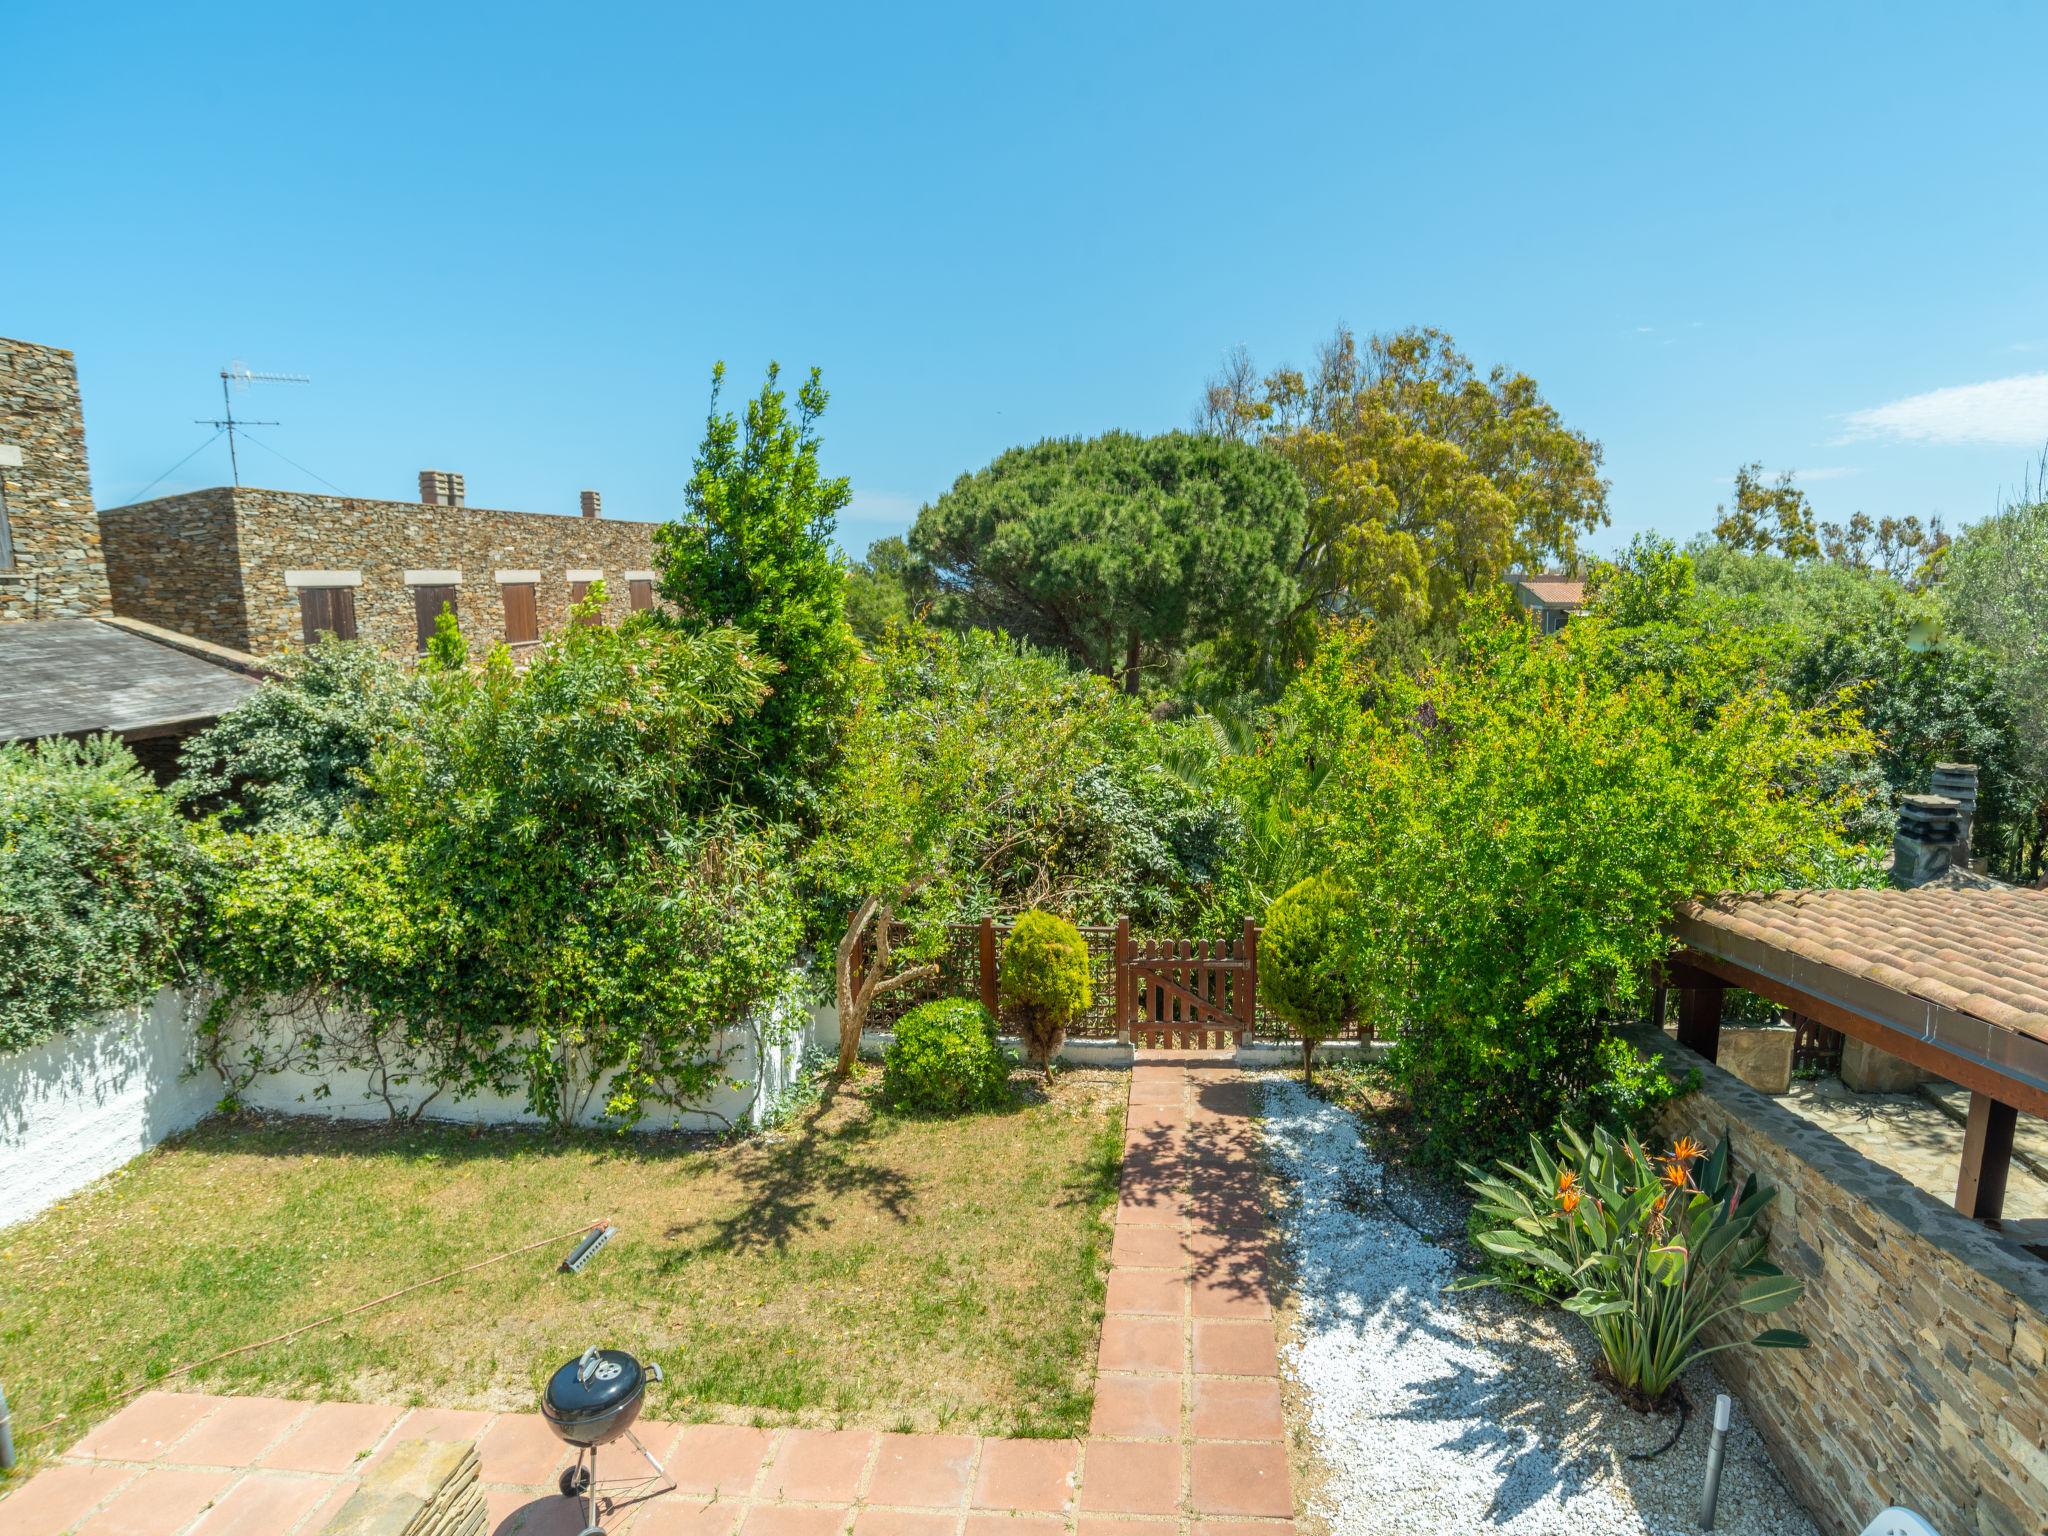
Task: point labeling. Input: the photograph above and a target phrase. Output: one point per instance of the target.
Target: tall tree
(887, 589)
(1768, 519)
(1424, 479)
(754, 551)
(1120, 550)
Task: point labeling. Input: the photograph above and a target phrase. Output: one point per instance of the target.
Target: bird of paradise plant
(1650, 1249)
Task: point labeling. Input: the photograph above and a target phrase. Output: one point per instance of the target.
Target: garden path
(1187, 1438)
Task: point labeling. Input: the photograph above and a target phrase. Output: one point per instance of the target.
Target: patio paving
(1187, 1438)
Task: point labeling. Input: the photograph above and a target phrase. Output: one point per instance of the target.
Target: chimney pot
(1958, 781)
(441, 488)
(593, 504)
(1928, 839)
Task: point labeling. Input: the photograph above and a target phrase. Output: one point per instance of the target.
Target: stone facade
(1927, 1381)
(57, 571)
(226, 565)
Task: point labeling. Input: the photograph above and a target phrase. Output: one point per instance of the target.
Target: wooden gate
(1187, 994)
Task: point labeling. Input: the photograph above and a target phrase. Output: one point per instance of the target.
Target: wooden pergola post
(987, 962)
(1121, 961)
(1987, 1158)
(1699, 1011)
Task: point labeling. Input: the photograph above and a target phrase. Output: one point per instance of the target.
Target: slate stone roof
(1978, 953)
(64, 677)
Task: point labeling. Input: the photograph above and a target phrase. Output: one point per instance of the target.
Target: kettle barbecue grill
(590, 1402)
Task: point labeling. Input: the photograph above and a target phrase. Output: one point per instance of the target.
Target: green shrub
(100, 882)
(1307, 969)
(946, 1059)
(1043, 982)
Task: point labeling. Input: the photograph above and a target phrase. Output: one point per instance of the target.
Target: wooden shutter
(642, 593)
(578, 590)
(329, 609)
(522, 615)
(426, 608)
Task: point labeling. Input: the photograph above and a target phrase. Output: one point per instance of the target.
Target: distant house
(263, 571)
(69, 664)
(1553, 599)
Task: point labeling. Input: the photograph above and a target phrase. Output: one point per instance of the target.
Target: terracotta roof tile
(1979, 952)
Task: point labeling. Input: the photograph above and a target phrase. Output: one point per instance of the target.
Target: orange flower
(1565, 1180)
(1674, 1174)
(1686, 1150)
(1568, 1200)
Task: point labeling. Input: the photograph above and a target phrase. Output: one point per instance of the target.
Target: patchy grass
(855, 1267)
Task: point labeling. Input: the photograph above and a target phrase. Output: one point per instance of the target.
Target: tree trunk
(1308, 1063)
(1131, 662)
(851, 998)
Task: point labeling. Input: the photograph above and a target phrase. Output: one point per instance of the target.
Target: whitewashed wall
(75, 1107)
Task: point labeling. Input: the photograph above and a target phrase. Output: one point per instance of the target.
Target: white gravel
(1435, 1412)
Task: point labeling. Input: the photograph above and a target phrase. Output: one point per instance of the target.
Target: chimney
(593, 504)
(441, 488)
(1925, 846)
(1958, 781)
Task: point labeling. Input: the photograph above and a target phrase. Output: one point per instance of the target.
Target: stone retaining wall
(213, 563)
(1927, 1381)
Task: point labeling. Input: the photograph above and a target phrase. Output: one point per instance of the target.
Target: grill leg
(659, 1470)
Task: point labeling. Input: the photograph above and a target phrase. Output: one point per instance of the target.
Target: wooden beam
(986, 962)
(1987, 1158)
(1965, 1071)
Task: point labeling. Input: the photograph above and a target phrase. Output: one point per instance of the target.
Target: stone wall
(57, 571)
(1927, 1381)
(214, 563)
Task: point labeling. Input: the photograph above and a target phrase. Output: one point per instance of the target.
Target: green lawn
(855, 1267)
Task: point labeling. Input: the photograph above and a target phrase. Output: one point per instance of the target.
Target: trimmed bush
(1307, 969)
(1042, 982)
(945, 1058)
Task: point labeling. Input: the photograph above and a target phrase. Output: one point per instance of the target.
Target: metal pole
(6, 1435)
(1716, 1452)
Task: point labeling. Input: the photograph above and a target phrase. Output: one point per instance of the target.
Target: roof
(70, 677)
(1552, 591)
(1962, 969)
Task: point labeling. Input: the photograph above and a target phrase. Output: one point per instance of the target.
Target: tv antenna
(241, 376)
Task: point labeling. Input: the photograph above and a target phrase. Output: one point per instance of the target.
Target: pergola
(1952, 980)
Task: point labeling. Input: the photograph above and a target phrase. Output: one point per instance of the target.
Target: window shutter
(332, 609)
(642, 593)
(522, 615)
(426, 608)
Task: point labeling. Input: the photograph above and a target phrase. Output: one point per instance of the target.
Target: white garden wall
(76, 1107)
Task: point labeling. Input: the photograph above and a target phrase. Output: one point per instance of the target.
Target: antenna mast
(241, 376)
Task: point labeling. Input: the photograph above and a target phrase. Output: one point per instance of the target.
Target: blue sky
(511, 240)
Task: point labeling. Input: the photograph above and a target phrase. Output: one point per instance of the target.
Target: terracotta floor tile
(142, 1430)
(1137, 1407)
(1124, 1525)
(1130, 1477)
(58, 1497)
(1141, 1344)
(428, 1424)
(1224, 1348)
(905, 1522)
(1240, 1480)
(673, 1514)
(520, 1512)
(264, 1504)
(1151, 1206)
(161, 1501)
(236, 1432)
(332, 1437)
(818, 1465)
(520, 1448)
(1015, 1525)
(1148, 1248)
(1225, 1251)
(718, 1458)
(1237, 1408)
(925, 1471)
(1241, 1295)
(1158, 1292)
(1032, 1476)
(794, 1520)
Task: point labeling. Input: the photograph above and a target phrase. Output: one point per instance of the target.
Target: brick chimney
(1958, 781)
(441, 488)
(1925, 846)
(593, 504)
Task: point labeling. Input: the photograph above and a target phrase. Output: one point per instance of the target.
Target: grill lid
(599, 1382)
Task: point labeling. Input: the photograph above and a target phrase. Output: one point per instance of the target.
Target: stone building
(262, 571)
(50, 565)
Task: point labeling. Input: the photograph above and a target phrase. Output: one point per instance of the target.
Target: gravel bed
(1428, 1411)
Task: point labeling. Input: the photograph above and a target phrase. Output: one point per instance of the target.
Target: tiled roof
(1554, 591)
(1979, 953)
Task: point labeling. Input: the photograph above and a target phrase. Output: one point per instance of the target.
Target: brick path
(1187, 1438)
